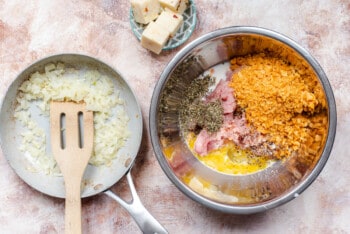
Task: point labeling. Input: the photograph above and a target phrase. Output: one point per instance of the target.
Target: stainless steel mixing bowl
(240, 194)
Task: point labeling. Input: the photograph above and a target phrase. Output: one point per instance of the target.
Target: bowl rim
(294, 191)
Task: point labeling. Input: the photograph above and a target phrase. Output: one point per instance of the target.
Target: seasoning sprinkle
(195, 114)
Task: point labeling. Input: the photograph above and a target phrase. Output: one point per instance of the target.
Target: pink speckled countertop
(30, 30)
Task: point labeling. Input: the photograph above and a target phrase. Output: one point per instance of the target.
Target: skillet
(96, 179)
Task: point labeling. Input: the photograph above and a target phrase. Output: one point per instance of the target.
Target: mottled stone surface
(30, 30)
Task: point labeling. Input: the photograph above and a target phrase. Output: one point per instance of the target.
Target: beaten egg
(230, 159)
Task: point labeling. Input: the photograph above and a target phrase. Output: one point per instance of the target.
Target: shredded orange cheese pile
(283, 101)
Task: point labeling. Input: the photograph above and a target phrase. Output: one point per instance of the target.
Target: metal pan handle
(147, 223)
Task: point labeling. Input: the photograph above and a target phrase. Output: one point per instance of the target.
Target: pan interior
(96, 178)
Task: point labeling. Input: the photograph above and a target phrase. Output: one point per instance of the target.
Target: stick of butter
(178, 6)
(170, 20)
(145, 10)
(154, 37)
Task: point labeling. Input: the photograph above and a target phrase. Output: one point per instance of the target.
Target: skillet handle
(146, 222)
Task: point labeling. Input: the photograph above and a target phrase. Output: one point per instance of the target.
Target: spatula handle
(73, 210)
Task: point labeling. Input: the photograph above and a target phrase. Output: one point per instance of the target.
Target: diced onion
(66, 84)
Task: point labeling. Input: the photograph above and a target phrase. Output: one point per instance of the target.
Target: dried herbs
(178, 82)
(183, 96)
(196, 114)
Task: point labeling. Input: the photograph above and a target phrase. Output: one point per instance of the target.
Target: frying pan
(96, 179)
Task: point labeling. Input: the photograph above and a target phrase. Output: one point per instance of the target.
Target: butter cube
(170, 21)
(154, 37)
(178, 6)
(145, 10)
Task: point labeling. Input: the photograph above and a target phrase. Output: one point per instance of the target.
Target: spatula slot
(63, 130)
(81, 129)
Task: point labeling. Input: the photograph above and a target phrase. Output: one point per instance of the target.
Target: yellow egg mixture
(230, 159)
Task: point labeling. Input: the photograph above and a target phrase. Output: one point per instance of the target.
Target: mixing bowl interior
(275, 185)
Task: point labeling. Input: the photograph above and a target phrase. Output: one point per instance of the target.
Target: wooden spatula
(72, 133)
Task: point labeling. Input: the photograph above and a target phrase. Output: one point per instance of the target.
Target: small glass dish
(185, 31)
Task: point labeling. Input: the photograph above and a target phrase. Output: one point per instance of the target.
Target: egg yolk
(230, 159)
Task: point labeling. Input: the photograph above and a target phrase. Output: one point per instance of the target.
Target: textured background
(30, 30)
